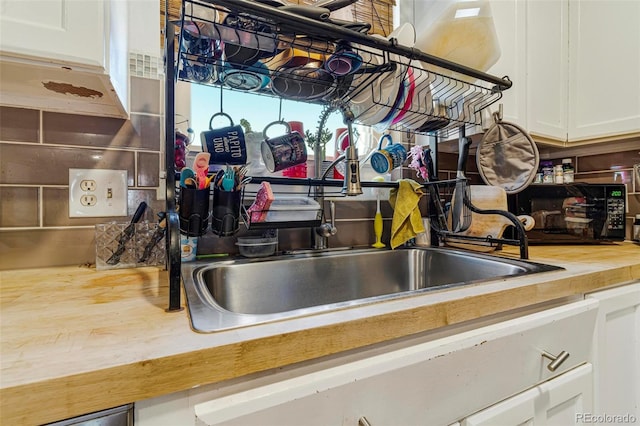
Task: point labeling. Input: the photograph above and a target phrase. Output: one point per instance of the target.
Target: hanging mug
(225, 144)
(284, 151)
(388, 158)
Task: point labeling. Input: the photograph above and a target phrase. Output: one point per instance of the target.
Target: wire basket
(442, 197)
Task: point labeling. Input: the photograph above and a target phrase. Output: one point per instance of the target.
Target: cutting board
(487, 197)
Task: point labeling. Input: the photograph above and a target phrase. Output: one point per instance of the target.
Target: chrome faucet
(351, 184)
(352, 171)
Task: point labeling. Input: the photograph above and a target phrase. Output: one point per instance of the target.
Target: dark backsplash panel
(38, 147)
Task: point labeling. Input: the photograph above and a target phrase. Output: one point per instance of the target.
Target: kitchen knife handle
(139, 212)
(463, 144)
(431, 170)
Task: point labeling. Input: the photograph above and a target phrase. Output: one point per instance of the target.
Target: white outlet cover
(110, 192)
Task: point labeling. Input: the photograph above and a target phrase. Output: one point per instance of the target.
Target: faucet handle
(329, 229)
(332, 211)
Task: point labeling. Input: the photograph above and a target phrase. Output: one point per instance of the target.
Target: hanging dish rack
(252, 47)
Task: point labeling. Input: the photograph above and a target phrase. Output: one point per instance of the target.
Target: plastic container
(286, 209)
(257, 246)
(636, 229)
(463, 32)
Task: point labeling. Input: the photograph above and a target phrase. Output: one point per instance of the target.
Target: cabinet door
(547, 68)
(534, 43)
(71, 31)
(517, 410)
(566, 399)
(435, 383)
(509, 18)
(562, 401)
(604, 49)
(617, 351)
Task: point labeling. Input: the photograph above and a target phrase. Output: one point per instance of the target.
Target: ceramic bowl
(247, 77)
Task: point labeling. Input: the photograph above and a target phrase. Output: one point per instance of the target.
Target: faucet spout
(351, 185)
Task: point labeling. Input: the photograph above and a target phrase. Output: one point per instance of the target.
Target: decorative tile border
(144, 65)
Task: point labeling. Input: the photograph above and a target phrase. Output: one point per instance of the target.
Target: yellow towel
(407, 221)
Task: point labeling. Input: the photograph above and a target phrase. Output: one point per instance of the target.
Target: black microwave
(573, 213)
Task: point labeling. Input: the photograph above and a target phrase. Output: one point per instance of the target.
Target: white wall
(144, 27)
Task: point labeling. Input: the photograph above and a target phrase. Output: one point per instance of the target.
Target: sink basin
(234, 293)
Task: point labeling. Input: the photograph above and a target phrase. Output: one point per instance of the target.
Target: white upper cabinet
(68, 31)
(66, 55)
(604, 68)
(535, 53)
(575, 66)
(509, 18)
(547, 67)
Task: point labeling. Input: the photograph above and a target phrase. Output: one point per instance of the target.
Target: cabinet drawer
(435, 383)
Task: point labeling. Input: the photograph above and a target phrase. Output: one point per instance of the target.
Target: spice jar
(558, 174)
(567, 170)
(547, 171)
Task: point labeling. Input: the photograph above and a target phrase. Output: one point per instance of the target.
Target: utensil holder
(194, 211)
(225, 219)
(107, 241)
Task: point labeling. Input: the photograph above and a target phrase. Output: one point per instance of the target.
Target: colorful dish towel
(407, 220)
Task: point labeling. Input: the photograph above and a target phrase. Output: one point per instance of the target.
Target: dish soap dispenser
(378, 225)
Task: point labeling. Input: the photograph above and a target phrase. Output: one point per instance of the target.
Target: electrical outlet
(97, 193)
(88, 185)
(88, 200)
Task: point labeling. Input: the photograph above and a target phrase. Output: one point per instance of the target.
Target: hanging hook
(221, 91)
(497, 115)
(280, 111)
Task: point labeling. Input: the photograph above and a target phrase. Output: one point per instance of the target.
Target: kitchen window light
(204, 101)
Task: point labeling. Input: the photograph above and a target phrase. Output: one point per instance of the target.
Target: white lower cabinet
(562, 401)
(616, 355)
(435, 382)
(487, 375)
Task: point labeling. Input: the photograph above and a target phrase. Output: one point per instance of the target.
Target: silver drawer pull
(555, 360)
(362, 421)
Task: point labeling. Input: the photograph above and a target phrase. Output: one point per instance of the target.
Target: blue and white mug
(388, 158)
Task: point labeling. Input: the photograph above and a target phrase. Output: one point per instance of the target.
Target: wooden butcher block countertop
(76, 340)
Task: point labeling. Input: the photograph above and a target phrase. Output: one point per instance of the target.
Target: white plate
(422, 103)
(365, 104)
(374, 103)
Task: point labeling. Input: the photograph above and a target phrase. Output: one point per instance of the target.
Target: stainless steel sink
(240, 292)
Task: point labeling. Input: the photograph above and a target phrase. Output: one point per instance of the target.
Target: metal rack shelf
(248, 46)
